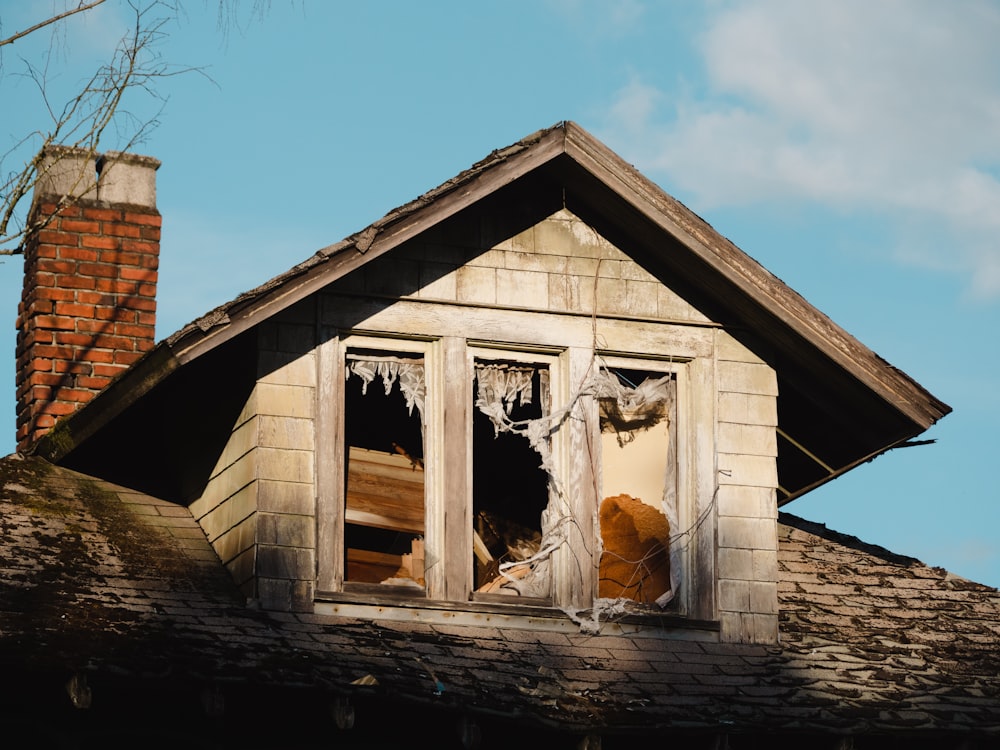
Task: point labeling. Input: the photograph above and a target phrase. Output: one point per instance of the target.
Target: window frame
(555, 362)
(448, 415)
(331, 458)
(681, 432)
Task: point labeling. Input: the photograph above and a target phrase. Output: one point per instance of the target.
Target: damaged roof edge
(502, 167)
(330, 263)
(725, 258)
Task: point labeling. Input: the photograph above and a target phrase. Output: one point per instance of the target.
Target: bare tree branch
(49, 21)
(82, 122)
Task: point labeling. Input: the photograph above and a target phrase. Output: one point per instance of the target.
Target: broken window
(638, 485)
(510, 485)
(384, 450)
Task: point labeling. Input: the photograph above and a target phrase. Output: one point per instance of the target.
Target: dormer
(544, 393)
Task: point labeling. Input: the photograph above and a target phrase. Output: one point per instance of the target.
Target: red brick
(77, 395)
(74, 368)
(56, 294)
(95, 298)
(107, 341)
(93, 326)
(55, 322)
(83, 227)
(115, 313)
(39, 307)
(97, 384)
(74, 309)
(102, 270)
(52, 237)
(47, 351)
(138, 303)
(78, 253)
(44, 251)
(97, 355)
(149, 219)
(121, 230)
(44, 379)
(151, 233)
(41, 392)
(121, 258)
(99, 241)
(139, 274)
(107, 370)
(57, 266)
(116, 286)
(138, 246)
(70, 338)
(75, 282)
(127, 358)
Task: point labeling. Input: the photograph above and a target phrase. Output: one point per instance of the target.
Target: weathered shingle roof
(108, 583)
(839, 404)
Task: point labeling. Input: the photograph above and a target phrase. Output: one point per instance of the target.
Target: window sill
(394, 605)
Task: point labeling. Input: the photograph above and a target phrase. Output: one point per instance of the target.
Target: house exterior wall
(747, 497)
(556, 284)
(258, 508)
(227, 509)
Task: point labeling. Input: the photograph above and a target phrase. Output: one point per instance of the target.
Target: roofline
(501, 168)
(733, 264)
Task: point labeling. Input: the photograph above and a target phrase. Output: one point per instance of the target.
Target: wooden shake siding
(227, 508)
(747, 500)
(286, 522)
(258, 508)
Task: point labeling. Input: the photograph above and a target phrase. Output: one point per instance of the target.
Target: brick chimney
(88, 308)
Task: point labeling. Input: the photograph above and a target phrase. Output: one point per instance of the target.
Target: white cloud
(604, 17)
(892, 107)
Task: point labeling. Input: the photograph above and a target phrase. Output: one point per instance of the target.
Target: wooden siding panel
(236, 541)
(237, 508)
(295, 498)
(282, 368)
(226, 484)
(286, 530)
(285, 465)
(286, 432)
(284, 400)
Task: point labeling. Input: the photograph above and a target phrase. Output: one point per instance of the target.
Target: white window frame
(331, 463)
(555, 361)
(450, 361)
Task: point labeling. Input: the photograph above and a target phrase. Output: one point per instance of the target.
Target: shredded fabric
(408, 372)
(625, 409)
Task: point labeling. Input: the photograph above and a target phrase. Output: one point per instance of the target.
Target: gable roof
(839, 403)
(122, 589)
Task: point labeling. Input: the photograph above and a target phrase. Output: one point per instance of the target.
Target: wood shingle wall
(555, 284)
(747, 502)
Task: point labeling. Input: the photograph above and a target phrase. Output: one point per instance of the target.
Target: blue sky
(852, 148)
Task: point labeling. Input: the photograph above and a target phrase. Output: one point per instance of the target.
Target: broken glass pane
(510, 487)
(638, 486)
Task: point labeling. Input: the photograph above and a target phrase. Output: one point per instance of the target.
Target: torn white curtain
(626, 410)
(500, 386)
(408, 372)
